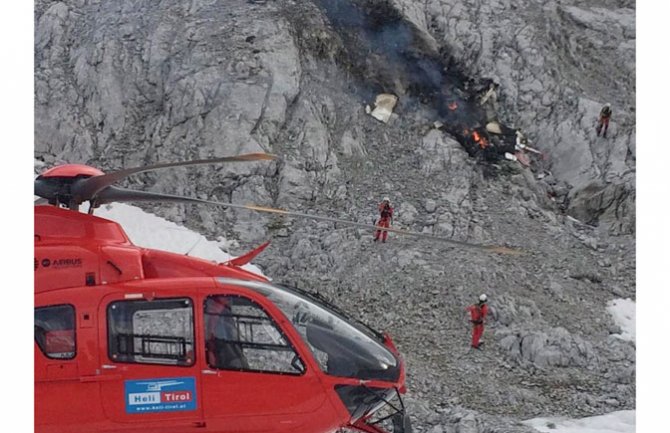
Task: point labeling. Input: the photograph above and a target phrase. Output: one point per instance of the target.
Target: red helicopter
(131, 339)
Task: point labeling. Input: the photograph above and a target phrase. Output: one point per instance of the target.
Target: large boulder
(554, 348)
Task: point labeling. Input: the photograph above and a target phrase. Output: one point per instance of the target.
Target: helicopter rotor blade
(115, 194)
(86, 189)
(492, 248)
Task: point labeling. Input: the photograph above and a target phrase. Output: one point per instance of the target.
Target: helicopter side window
(240, 335)
(151, 332)
(55, 332)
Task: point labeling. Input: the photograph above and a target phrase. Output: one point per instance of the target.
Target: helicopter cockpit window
(239, 335)
(151, 332)
(340, 347)
(55, 332)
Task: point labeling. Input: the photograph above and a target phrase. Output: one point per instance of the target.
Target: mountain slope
(126, 84)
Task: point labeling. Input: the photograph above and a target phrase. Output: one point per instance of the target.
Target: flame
(480, 140)
(453, 106)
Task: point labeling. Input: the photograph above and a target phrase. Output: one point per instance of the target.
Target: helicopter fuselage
(131, 339)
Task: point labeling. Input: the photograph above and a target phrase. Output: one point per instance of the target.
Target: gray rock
(556, 289)
(406, 213)
(429, 205)
(556, 348)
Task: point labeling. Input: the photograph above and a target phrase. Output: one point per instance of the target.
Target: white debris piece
(490, 94)
(384, 104)
(494, 128)
(510, 156)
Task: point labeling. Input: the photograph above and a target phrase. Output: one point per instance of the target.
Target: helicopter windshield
(340, 347)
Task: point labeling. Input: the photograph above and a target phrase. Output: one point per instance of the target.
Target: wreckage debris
(496, 141)
(490, 94)
(384, 104)
(522, 158)
(494, 128)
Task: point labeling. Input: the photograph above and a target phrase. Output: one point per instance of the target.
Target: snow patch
(615, 422)
(623, 312)
(150, 231)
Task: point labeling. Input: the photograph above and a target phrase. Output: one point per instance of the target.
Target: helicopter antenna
(193, 247)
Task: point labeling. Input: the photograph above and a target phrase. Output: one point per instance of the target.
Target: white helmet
(482, 298)
(387, 199)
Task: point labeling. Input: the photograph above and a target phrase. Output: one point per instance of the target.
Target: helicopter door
(148, 357)
(253, 378)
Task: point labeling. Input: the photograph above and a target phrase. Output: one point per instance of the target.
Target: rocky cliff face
(557, 63)
(126, 83)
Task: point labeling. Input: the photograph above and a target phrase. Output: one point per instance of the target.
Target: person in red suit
(604, 119)
(478, 312)
(385, 219)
